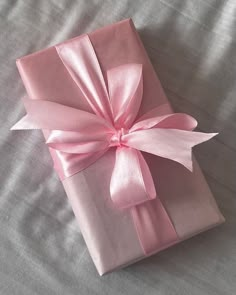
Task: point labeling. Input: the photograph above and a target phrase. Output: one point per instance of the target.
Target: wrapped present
(122, 155)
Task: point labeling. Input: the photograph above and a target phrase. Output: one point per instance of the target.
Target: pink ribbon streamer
(80, 138)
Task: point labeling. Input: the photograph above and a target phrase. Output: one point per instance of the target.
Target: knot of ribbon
(117, 139)
(80, 138)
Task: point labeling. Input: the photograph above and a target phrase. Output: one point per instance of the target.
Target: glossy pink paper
(108, 231)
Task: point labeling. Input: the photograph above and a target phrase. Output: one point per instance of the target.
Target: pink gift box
(184, 206)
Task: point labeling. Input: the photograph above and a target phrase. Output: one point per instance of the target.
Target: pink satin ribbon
(80, 138)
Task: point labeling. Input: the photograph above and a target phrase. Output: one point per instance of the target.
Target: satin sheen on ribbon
(80, 138)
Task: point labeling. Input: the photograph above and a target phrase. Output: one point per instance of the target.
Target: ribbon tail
(131, 181)
(44, 114)
(172, 144)
(27, 122)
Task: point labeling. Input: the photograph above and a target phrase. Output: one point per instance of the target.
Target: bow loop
(78, 142)
(158, 118)
(125, 84)
(132, 171)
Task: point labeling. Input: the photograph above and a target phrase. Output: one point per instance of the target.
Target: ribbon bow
(80, 138)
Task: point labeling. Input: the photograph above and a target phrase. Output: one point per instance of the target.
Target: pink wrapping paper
(185, 205)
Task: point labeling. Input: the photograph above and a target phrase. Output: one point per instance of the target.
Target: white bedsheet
(192, 45)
